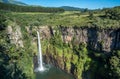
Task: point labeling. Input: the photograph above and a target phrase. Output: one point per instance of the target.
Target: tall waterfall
(40, 62)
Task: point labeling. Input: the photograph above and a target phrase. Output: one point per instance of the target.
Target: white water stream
(40, 62)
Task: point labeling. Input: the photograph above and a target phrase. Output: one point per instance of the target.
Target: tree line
(112, 13)
(18, 8)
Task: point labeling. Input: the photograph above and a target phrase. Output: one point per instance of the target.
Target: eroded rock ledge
(96, 39)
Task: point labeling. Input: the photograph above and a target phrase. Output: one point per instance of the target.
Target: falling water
(40, 62)
(48, 71)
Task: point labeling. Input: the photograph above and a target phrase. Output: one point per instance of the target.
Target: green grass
(50, 19)
(68, 19)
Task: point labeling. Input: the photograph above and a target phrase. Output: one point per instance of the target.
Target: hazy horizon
(90, 4)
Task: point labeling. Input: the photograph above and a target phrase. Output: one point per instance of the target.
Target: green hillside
(69, 8)
(13, 2)
(19, 8)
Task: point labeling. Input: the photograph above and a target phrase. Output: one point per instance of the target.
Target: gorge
(75, 44)
(47, 71)
(72, 49)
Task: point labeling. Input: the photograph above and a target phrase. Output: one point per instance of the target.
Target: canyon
(95, 39)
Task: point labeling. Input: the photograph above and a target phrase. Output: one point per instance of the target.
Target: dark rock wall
(100, 40)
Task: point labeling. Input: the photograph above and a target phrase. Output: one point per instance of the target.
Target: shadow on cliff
(116, 40)
(92, 38)
(35, 61)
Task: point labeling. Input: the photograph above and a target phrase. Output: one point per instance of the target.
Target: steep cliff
(69, 48)
(15, 36)
(73, 55)
(96, 39)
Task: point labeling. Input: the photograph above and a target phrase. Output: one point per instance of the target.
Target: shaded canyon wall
(103, 40)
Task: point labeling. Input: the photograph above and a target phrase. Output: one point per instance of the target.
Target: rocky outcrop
(15, 36)
(96, 39)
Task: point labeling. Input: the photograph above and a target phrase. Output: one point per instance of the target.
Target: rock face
(104, 40)
(15, 36)
(99, 40)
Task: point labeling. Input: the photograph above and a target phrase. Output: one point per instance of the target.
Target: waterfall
(40, 62)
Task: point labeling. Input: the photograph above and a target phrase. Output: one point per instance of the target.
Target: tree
(115, 65)
(90, 15)
(2, 20)
(113, 13)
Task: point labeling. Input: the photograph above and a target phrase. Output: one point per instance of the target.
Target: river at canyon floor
(53, 73)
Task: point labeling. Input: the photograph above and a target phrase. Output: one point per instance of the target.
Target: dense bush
(15, 63)
(113, 13)
(2, 20)
(114, 63)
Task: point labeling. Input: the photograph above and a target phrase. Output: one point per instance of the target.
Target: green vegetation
(68, 8)
(83, 61)
(100, 19)
(114, 63)
(113, 13)
(78, 59)
(15, 63)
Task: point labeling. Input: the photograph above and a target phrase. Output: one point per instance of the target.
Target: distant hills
(13, 2)
(20, 8)
(69, 8)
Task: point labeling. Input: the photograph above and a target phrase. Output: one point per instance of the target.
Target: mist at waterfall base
(48, 71)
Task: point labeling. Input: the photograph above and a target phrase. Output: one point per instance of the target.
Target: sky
(90, 4)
